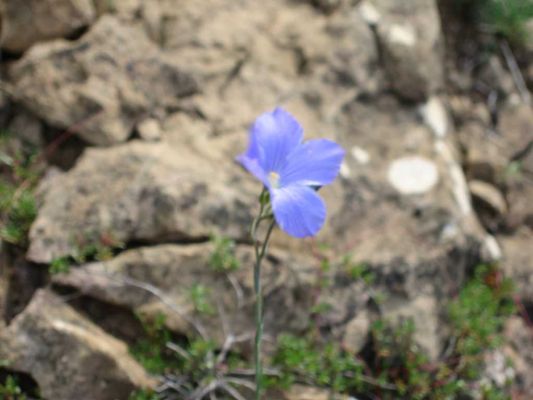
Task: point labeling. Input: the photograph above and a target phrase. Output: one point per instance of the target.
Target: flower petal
(298, 210)
(252, 165)
(272, 137)
(314, 163)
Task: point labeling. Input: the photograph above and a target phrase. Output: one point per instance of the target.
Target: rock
(26, 23)
(27, 128)
(413, 175)
(515, 126)
(126, 8)
(427, 222)
(497, 372)
(424, 312)
(356, 334)
(518, 261)
(140, 191)
(435, 116)
(489, 154)
(410, 37)
(515, 143)
(483, 158)
(269, 57)
(301, 392)
(174, 271)
(519, 191)
(405, 148)
(67, 355)
(520, 351)
(489, 195)
(101, 84)
(326, 6)
(149, 130)
(490, 205)
(495, 76)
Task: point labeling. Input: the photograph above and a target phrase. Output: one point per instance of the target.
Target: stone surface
(413, 175)
(143, 192)
(356, 333)
(518, 261)
(301, 392)
(424, 312)
(25, 23)
(149, 130)
(101, 84)
(67, 355)
(410, 38)
(489, 194)
(520, 351)
(173, 271)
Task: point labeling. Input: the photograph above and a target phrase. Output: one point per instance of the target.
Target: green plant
(18, 211)
(19, 173)
(144, 394)
(10, 390)
(101, 251)
(399, 361)
(477, 317)
(60, 265)
(222, 258)
(508, 17)
(299, 359)
(397, 367)
(357, 271)
(151, 351)
(200, 297)
(504, 17)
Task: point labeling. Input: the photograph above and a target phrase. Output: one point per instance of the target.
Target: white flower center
(273, 178)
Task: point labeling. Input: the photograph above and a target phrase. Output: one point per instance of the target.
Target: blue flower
(291, 170)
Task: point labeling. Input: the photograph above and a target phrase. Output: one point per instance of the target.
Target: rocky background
(123, 212)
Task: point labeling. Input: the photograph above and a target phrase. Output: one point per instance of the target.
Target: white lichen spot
(369, 13)
(345, 170)
(404, 35)
(493, 249)
(435, 116)
(456, 174)
(360, 155)
(413, 175)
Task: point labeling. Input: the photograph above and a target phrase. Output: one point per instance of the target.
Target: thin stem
(260, 252)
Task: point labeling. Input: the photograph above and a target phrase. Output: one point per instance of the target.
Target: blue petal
(272, 137)
(298, 210)
(314, 163)
(252, 165)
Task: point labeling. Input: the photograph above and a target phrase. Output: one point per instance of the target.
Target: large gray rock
(25, 23)
(402, 208)
(519, 350)
(68, 356)
(411, 42)
(161, 279)
(268, 57)
(100, 85)
(140, 192)
(517, 262)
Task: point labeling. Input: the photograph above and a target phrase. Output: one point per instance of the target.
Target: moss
(507, 18)
(222, 258)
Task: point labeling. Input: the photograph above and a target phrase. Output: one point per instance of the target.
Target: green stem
(260, 252)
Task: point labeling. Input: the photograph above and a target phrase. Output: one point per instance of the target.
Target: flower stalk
(265, 213)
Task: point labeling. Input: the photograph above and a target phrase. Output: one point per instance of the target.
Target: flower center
(273, 178)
